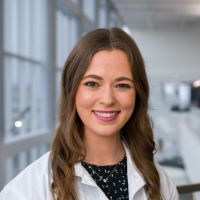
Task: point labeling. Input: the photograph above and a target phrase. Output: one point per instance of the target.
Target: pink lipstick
(106, 116)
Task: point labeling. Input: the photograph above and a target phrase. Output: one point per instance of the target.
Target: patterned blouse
(112, 179)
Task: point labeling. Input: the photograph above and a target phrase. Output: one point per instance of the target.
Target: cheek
(83, 99)
(128, 102)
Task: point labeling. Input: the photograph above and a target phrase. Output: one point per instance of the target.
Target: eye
(123, 86)
(91, 84)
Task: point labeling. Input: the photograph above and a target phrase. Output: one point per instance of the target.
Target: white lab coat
(34, 182)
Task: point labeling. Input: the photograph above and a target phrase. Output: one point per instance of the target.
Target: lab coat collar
(135, 179)
(82, 173)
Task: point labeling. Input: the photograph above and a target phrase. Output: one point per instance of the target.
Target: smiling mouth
(106, 116)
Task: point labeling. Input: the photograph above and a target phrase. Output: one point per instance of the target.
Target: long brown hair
(68, 148)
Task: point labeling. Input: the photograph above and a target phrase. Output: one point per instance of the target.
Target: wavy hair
(67, 147)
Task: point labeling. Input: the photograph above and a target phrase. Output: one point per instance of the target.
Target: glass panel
(66, 37)
(63, 38)
(11, 25)
(24, 45)
(89, 9)
(24, 27)
(58, 85)
(102, 14)
(9, 170)
(73, 31)
(23, 96)
(58, 38)
(44, 148)
(38, 30)
(113, 19)
(16, 163)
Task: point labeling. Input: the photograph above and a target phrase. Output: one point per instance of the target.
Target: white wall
(170, 54)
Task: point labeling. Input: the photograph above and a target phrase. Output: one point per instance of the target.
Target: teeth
(106, 114)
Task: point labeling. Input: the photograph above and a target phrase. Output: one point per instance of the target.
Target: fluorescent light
(196, 83)
(18, 124)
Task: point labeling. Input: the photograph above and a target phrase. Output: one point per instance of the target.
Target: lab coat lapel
(135, 179)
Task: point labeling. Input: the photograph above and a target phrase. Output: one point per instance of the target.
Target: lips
(106, 116)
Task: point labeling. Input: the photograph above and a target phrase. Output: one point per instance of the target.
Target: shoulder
(32, 183)
(168, 188)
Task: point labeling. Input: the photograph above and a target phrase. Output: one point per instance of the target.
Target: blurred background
(35, 40)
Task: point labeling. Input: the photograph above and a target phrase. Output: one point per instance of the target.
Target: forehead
(113, 62)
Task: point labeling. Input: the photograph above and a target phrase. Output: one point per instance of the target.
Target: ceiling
(159, 13)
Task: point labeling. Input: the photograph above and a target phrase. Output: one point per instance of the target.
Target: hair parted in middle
(68, 148)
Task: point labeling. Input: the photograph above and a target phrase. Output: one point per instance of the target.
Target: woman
(103, 147)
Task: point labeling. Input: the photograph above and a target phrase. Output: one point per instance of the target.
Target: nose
(107, 96)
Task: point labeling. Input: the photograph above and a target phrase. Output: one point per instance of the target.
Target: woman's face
(105, 98)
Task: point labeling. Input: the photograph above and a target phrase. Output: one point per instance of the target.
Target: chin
(107, 132)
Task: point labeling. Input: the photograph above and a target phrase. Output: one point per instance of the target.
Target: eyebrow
(92, 76)
(122, 78)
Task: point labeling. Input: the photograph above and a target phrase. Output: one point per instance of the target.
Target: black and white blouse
(112, 179)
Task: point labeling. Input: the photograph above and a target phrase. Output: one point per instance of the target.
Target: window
(17, 162)
(24, 48)
(89, 9)
(66, 37)
(24, 78)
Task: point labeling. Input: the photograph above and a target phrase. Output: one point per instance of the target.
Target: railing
(182, 189)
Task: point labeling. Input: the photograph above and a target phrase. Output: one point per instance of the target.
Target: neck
(104, 150)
